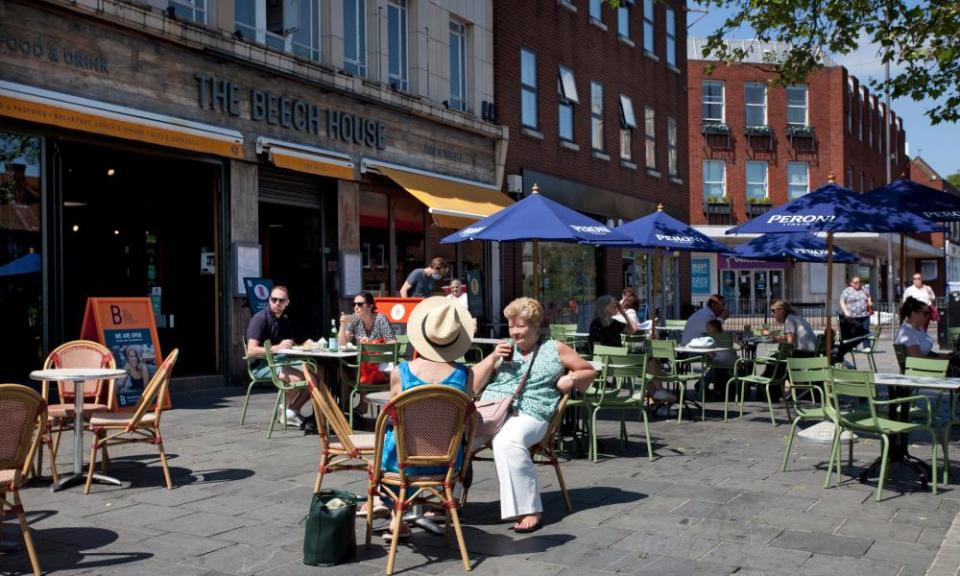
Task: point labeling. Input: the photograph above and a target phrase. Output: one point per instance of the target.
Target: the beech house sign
(291, 113)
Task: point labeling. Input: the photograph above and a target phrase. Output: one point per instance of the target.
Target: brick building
(595, 104)
(948, 267)
(755, 144)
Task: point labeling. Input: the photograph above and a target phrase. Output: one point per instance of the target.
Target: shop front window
(21, 290)
(568, 281)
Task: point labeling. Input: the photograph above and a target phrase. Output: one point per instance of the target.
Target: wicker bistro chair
(375, 353)
(143, 425)
(745, 375)
(859, 385)
(97, 394)
(430, 423)
(543, 452)
(350, 451)
(23, 414)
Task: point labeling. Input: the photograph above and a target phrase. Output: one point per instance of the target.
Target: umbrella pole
(536, 270)
(903, 260)
(828, 332)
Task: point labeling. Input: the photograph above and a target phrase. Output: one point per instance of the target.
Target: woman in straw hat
(554, 369)
(441, 331)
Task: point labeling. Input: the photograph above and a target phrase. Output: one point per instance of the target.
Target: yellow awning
(453, 203)
(311, 163)
(74, 113)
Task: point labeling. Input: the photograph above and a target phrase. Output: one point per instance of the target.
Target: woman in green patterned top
(556, 370)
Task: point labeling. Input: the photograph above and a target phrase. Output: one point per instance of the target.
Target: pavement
(713, 501)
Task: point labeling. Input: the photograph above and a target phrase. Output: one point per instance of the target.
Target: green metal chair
(254, 380)
(374, 353)
(634, 342)
(276, 365)
(947, 426)
(954, 334)
(859, 385)
(403, 343)
(806, 376)
(678, 372)
(600, 350)
(616, 388)
(873, 348)
(674, 328)
(750, 377)
(901, 353)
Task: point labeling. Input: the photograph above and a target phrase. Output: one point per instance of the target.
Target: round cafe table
(78, 376)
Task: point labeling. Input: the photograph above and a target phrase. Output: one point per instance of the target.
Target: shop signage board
(258, 292)
(126, 327)
(700, 276)
(734, 263)
(475, 292)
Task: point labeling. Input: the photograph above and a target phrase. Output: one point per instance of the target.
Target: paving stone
(586, 556)
(660, 524)
(506, 565)
(731, 531)
(825, 565)
(774, 560)
(242, 559)
(690, 547)
(833, 544)
(732, 511)
(813, 521)
(902, 552)
(669, 566)
(880, 530)
(200, 524)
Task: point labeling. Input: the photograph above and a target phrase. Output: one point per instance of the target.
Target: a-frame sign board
(126, 326)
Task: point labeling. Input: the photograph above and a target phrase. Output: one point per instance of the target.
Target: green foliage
(921, 40)
(954, 179)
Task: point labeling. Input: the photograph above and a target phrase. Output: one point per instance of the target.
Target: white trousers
(519, 488)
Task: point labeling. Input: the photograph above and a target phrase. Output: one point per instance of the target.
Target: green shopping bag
(330, 537)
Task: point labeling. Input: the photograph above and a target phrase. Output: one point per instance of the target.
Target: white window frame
(398, 10)
(596, 116)
(649, 40)
(358, 65)
(650, 137)
(850, 106)
(673, 148)
(870, 110)
(805, 107)
(791, 187)
(713, 184)
(748, 105)
(192, 10)
(567, 91)
(528, 88)
(860, 97)
(671, 23)
(753, 184)
(568, 84)
(458, 35)
(704, 102)
(256, 31)
(623, 21)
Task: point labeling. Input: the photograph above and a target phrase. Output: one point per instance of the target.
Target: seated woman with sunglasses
(365, 324)
(914, 314)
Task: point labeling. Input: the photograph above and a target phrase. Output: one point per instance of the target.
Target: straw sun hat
(440, 329)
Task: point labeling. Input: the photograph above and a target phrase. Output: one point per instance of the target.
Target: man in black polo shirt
(273, 324)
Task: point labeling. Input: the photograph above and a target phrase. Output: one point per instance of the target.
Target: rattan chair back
(81, 354)
(22, 411)
(325, 406)
(155, 392)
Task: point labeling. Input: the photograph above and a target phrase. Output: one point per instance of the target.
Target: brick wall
(559, 36)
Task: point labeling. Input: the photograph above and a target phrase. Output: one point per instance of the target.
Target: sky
(935, 144)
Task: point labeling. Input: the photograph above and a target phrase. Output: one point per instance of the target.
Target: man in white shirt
(458, 292)
(715, 309)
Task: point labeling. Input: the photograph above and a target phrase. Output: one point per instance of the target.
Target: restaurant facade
(162, 153)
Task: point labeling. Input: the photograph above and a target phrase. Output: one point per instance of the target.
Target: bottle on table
(332, 342)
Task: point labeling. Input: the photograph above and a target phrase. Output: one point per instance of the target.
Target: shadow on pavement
(71, 556)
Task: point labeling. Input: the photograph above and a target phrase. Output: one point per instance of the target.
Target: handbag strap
(526, 375)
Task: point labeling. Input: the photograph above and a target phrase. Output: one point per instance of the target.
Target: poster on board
(126, 327)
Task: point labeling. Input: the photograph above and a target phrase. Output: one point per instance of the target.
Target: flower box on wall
(802, 138)
(716, 208)
(758, 208)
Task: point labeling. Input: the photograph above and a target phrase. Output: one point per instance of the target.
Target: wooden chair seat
(412, 479)
(121, 419)
(67, 410)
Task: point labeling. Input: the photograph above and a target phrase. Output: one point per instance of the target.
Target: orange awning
(306, 159)
(74, 113)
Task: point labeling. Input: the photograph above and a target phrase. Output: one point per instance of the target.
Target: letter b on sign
(115, 315)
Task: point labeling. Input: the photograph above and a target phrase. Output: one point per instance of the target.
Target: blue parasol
(660, 230)
(908, 196)
(30, 263)
(797, 246)
(833, 208)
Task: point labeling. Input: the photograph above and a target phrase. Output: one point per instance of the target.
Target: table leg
(77, 477)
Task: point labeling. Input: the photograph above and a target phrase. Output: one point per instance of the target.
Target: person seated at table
(604, 329)
(273, 324)
(715, 309)
(553, 369)
(441, 332)
(914, 314)
(796, 330)
(630, 303)
(458, 293)
(721, 362)
(366, 324)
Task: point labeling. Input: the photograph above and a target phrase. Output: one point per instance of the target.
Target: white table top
(579, 334)
(352, 353)
(74, 374)
(712, 349)
(380, 398)
(488, 341)
(950, 384)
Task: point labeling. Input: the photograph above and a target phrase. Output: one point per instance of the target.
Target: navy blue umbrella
(908, 196)
(536, 218)
(797, 246)
(833, 208)
(27, 264)
(660, 230)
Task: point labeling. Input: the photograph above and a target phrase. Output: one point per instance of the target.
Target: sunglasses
(355, 304)
(277, 300)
